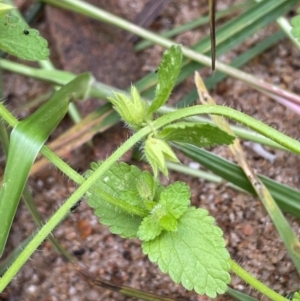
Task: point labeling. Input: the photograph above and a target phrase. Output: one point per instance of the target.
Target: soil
(76, 44)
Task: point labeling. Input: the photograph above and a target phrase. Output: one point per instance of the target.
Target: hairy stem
(259, 286)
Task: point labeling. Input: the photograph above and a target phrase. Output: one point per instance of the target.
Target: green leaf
(230, 34)
(167, 75)
(296, 26)
(168, 222)
(120, 182)
(201, 135)
(119, 222)
(23, 42)
(236, 295)
(27, 138)
(173, 202)
(149, 228)
(296, 296)
(176, 198)
(146, 186)
(194, 255)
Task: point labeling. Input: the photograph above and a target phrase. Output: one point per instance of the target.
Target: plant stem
(259, 286)
(7, 116)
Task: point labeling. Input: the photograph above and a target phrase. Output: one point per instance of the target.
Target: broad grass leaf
(286, 197)
(27, 138)
(176, 198)
(194, 255)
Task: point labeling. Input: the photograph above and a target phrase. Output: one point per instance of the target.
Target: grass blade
(239, 296)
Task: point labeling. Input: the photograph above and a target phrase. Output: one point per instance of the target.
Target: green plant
(183, 240)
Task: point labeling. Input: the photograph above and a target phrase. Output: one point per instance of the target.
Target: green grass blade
(239, 296)
(58, 77)
(204, 175)
(286, 197)
(27, 138)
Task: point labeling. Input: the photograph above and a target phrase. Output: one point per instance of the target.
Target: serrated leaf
(201, 135)
(120, 182)
(173, 202)
(167, 74)
(119, 222)
(23, 42)
(194, 255)
(149, 228)
(176, 198)
(169, 222)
